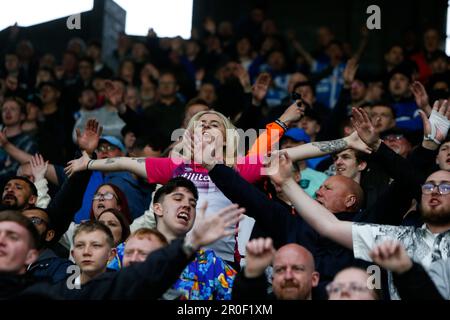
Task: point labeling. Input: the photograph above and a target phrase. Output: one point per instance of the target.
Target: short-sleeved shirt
(207, 277)
(161, 170)
(311, 180)
(423, 246)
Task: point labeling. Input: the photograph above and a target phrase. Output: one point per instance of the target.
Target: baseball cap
(113, 141)
(408, 135)
(297, 135)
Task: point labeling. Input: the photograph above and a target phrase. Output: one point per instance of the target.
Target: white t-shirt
(421, 244)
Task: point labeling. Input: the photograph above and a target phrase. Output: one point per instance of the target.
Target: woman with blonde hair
(203, 129)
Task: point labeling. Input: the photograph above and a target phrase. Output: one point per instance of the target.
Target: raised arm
(321, 148)
(39, 170)
(88, 142)
(151, 278)
(362, 44)
(316, 215)
(17, 154)
(421, 97)
(134, 165)
(270, 215)
(400, 169)
(275, 130)
(299, 48)
(251, 283)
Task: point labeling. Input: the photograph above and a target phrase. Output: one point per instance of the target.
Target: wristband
(89, 163)
(282, 124)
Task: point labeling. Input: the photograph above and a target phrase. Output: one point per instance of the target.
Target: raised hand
(436, 125)
(293, 114)
(209, 229)
(279, 168)
(364, 130)
(261, 86)
(259, 255)
(77, 165)
(421, 97)
(392, 256)
(38, 167)
(88, 140)
(200, 74)
(3, 138)
(208, 148)
(350, 71)
(243, 76)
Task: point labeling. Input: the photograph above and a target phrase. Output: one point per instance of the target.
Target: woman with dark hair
(107, 196)
(116, 221)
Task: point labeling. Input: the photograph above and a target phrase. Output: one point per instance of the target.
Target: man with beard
(293, 277)
(48, 266)
(19, 193)
(424, 244)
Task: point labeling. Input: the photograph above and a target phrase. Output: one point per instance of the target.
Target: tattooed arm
(321, 148)
(134, 165)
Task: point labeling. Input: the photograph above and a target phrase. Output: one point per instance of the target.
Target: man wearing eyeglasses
(351, 284)
(425, 244)
(48, 266)
(400, 141)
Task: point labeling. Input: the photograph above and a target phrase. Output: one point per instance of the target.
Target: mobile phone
(296, 96)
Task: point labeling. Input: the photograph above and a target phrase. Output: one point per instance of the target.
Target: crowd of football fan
(128, 176)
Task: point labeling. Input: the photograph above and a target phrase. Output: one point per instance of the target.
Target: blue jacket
(49, 267)
(407, 115)
(138, 193)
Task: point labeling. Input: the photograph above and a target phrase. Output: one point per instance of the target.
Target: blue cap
(297, 135)
(114, 141)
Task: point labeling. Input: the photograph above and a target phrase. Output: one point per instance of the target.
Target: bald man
(340, 194)
(351, 284)
(293, 276)
(425, 244)
(277, 219)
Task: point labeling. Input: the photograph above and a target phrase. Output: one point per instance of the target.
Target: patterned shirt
(208, 277)
(116, 263)
(422, 245)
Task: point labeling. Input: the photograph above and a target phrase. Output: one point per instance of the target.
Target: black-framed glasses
(353, 287)
(37, 221)
(106, 148)
(443, 188)
(393, 137)
(106, 196)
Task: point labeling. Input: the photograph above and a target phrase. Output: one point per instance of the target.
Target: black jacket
(251, 288)
(276, 221)
(49, 267)
(416, 284)
(146, 280)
